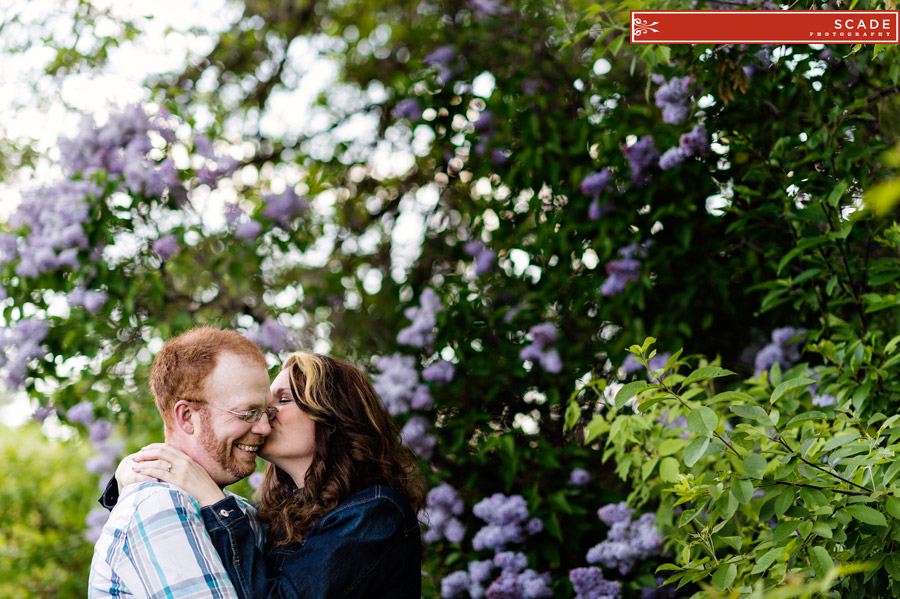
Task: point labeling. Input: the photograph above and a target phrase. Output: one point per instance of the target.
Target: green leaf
(812, 415)
(868, 515)
(707, 372)
(733, 542)
(669, 469)
(648, 467)
(728, 396)
(820, 560)
(695, 451)
(670, 446)
(755, 465)
(787, 386)
(573, 413)
(628, 391)
(802, 245)
(702, 421)
(884, 196)
(892, 505)
(742, 489)
(767, 559)
(597, 426)
(784, 501)
(750, 412)
(724, 576)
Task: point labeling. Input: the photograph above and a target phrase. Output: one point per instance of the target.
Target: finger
(154, 466)
(157, 451)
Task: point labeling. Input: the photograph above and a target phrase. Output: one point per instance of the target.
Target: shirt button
(225, 513)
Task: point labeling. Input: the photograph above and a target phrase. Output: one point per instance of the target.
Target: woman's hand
(171, 465)
(127, 475)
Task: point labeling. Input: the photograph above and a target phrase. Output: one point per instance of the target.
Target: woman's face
(292, 442)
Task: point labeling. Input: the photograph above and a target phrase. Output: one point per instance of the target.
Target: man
(212, 390)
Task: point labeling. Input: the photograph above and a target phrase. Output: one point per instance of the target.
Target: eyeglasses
(250, 416)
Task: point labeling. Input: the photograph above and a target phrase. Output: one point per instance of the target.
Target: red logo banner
(765, 26)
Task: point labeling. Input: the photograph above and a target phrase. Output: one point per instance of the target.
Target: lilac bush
(539, 352)
(443, 506)
(424, 319)
(398, 384)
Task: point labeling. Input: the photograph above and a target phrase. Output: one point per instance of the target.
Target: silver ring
(168, 466)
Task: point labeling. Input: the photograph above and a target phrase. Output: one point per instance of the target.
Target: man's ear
(186, 417)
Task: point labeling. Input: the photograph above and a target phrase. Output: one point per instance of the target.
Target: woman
(339, 496)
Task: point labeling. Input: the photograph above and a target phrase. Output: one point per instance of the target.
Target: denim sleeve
(349, 553)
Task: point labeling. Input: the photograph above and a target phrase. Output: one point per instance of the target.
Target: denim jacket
(367, 546)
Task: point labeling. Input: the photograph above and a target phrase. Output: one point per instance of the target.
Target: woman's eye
(285, 400)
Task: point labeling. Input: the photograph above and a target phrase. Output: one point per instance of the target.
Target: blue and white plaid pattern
(154, 545)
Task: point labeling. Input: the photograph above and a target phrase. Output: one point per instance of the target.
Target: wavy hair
(357, 445)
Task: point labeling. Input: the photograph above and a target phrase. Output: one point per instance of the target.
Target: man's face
(227, 444)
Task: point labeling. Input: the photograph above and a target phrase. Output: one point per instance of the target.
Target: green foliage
(43, 501)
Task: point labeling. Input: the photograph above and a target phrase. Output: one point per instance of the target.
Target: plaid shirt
(154, 545)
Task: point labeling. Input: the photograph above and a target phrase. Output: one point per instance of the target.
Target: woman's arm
(167, 464)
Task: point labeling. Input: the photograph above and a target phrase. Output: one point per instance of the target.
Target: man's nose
(262, 426)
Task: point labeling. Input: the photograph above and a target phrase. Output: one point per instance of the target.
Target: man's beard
(221, 452)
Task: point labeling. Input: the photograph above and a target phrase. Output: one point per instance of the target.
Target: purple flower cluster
(693, 143)
(590, 584)
(593, 185)
(20, 343)
(216, 166)
(484, 257)
(91, 300)
(165, 247)
(642, 156)
(674, 98)
(273, 336)
(623, 270)
(488, 8)
(442, 506)
(417, 436)
(660, 591)
(439, 373)
(779, 350)
(516, 580)
(443, 57)
(580, 477)
(538, 352)
(399, 386)
(408, 108)
(245, 230)
(95, 521)
(424, 318)
(628, 541)
(507, 522)
(284, 207)
(54, 218)
(120, 147)
(678, 423)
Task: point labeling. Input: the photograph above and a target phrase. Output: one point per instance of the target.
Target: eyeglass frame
(245, 416)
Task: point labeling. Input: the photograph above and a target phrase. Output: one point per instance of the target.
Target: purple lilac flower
(233, 214)
(628, 541)
(442, 505)
(408, 108)
(455, 584)
(530, 87)
(484, 257)
(485, 122)
(695, 142)
(255, 480)
(480, 571)
(488, 8)
(248, 231)
(534, 526)
(41, 413)
(642, 156)
(284, 207)
(101, 429)
(90, 299)
(8, 249)
(671, 158)
(506, 519)
(440, 373)
(165, 247)
(416, 436)
(100, 463)
(821, 401)
(620, 272)
(679, 423)
(580, 477)
(593, 185)
(54, 218)
(590, 584)
(500, 156)
(424, 318)
(780, 350)
(398, 384)
(81, 413)
(537, 352)
(95, 520)
(21, 343)
(442, 56)
(673, 98)
(520, 585)
(273, 336)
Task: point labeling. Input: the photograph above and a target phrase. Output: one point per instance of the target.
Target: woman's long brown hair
(357, 446)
